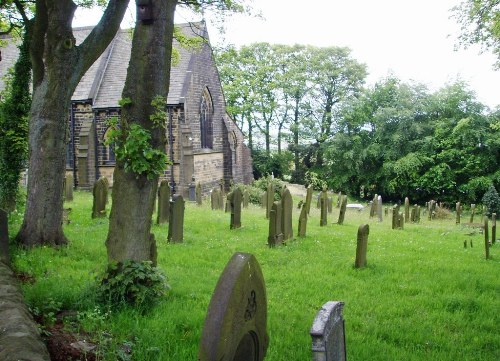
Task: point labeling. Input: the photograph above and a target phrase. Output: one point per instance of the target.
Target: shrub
(262, 185)
(491, 200)
(132, 283)
(442, 213)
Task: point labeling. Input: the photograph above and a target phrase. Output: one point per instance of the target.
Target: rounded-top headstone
(236, 323)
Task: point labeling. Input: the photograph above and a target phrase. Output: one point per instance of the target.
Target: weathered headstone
(176, 221)
(68, 188)
(100, 193)
(472, 211)
(222, 187)
(458, 209)
(413, 214)
(343, 207)
(235, 327)
(395, 216)
(286, 214)
(486, 238)
(328, 333)
(192, 190)
(269, 198)
(493, 228)
(275, 236)
(323, 221)
(362, 245)
(379, 208)
(215, 199)
(235, 200)
(163, 213)
(198, 194)
(329, 203)
(401, 220)
(302, 222)
(373, 206)
(407, 209)
(339, 199)
(309, 194)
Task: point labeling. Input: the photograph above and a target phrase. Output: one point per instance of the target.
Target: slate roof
(104, 81)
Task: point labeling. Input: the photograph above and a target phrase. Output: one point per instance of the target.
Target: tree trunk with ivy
(135, 183)
(58, 66)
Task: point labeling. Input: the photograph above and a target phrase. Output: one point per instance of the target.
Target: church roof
(103, 83)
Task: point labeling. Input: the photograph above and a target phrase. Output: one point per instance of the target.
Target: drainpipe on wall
(171, 150)
(73, 148)
(96, 147)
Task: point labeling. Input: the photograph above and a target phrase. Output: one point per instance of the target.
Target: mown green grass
(421, 297)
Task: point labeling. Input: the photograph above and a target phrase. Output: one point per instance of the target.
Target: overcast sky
(414, 40)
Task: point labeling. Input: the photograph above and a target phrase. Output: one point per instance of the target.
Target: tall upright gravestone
(458, 209)
(100, 193)
(362, 246)
(302, 222)
(309, 194)
(328, 333)
(472, 212)
(68, 188)
(323, 221)
(235, 327)
(493, 228)
(176, 221)
(246, 198)
(275, 236)
(235, 200)
(163, 213)
(343, 207)
(286, 214)
(379, 208)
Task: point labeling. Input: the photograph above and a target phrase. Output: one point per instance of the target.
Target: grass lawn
(423, 296)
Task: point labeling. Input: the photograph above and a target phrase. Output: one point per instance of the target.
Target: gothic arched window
(109, 151)
(206, 117)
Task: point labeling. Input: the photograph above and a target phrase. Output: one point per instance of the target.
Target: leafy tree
(491, 200)
(480, 24)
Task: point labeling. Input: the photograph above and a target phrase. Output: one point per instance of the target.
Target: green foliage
(312, 178)
(45, 312)
(263, 182)
(132, 283)
(491, 200)
(271, 164)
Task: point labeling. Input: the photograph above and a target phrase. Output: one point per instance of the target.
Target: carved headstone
(198, 194)
(286, 214)
(362, 245)
(309, 194)
(275, 236)
(176, 221)
(302, 222)
(458, 209)
(235, 327)
(343, 207)
(100, 193)
(235, 200)
(163, 213)
(328, 333)
(68, 188)
(379, 208)
(373, 206)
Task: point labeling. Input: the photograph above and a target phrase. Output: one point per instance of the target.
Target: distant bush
(263, 182)
(442, 213)
(491, 200)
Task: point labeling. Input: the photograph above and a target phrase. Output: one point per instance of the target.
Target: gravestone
(339, 199)
(407, 209)
(343, 206)
(286, 214)
(493, 228)
(68, 188)
(235, 199)
(379, 208)
(263, 200)
(100, 193)
(235, 327)
(458, 209)
(192, 190)
(269, 198)
(275, 236)
(472, 211)
(486, 238)
(302, 222)
(323, 221)
(401, 220)
(222, 187)
(309, 194)
(362, 245)
(198, 194)
(328, 333)
(395, 217)
(214, 198)
(373, 206)
(413, 214)
(163, 213)
(246, 198)
(176, 221)
(329, 204)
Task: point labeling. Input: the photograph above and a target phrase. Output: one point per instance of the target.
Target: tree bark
(4, 238)
(133, 196)
(58, 66)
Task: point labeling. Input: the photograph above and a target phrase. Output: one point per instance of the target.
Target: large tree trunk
(148, 76)
(58, 66)
(4, 237)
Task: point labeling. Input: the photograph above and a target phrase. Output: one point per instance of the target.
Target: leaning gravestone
(343, 206)
(163, 202)
(275, 236)
(362, 245)
(176, 221)
(286, 214)
(235, 199)
(309, 195)
(303, 222)
(100, 193)
(235, 327)
(68, 188)
(198, 194)
(328, 333)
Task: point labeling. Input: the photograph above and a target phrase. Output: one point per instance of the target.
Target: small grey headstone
(68, 188)
(176, 222)
(343, 206)
(328, 333)
(275, 236)
(100, 193)
(235, 200)
(303, 222)
(286, 214)
(163, 213)
(362, 245)
(235, 327)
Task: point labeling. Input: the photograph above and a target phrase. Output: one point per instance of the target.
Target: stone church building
(203, 142)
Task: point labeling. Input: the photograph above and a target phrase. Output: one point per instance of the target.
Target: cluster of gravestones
(235, 327)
